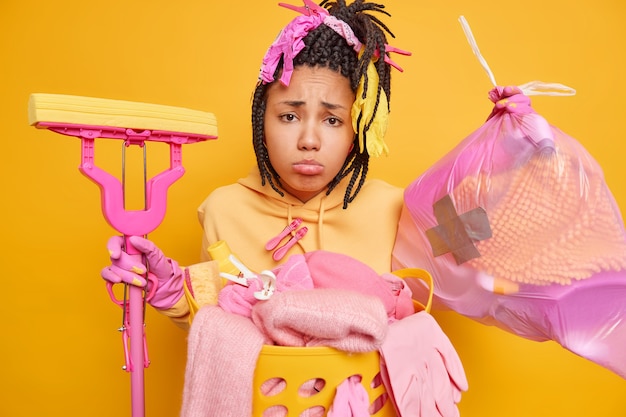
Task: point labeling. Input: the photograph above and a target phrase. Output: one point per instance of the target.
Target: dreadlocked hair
(325, 48)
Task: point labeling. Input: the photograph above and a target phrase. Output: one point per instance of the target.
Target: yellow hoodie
(247, 215)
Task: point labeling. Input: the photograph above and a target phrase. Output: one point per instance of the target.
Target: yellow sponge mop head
(79, 110)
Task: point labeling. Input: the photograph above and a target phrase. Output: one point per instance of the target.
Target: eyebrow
(300, 103)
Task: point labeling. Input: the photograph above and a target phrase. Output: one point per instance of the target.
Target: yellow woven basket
(296, 366)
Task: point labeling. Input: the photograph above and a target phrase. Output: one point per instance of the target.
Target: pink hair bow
(289, 41)
(288, 44)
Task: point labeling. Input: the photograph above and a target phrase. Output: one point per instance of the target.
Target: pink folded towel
(335, 270)
(345, 320)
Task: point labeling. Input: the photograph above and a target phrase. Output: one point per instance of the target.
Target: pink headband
(289, 41)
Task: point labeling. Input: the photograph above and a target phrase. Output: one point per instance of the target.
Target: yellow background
(60, 352)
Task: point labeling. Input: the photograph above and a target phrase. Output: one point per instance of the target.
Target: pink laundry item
(402, 295)
(239, 299)
(351, 399)
(422, 371)
(222, 353)
(342, 319)
(334, 270)
(292, 275)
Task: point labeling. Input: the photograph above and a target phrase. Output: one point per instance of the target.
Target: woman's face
(308, 130)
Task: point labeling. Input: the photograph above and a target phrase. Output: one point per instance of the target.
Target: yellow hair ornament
(364, 106)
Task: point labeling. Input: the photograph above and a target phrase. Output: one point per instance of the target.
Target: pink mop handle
(134, 325)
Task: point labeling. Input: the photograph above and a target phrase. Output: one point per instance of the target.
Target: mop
(134, 123)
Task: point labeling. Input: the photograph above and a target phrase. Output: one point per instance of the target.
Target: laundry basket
(294, 367)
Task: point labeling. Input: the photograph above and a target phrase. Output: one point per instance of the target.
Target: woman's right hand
(124, 267)
(162, 271)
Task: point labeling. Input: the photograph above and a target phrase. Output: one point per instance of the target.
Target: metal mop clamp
(92, 118)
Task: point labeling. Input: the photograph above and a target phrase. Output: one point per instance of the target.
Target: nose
(309, 138)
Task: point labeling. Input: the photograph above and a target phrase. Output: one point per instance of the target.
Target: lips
(308, 167)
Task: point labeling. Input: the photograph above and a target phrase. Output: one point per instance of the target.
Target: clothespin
(269, 285)
(246, 273)
(308, 8)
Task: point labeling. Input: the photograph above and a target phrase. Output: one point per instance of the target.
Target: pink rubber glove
(422, 371)
(351, 399)
(164, 272)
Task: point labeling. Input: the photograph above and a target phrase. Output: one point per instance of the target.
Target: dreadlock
(325, 48)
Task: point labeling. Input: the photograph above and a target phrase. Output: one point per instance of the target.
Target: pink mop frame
(130, 223)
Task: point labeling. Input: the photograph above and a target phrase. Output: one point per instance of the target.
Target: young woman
(319, 112)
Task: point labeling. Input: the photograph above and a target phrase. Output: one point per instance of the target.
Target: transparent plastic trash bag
(519, 230)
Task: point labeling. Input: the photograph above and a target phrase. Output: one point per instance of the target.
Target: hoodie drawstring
(320, 224)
